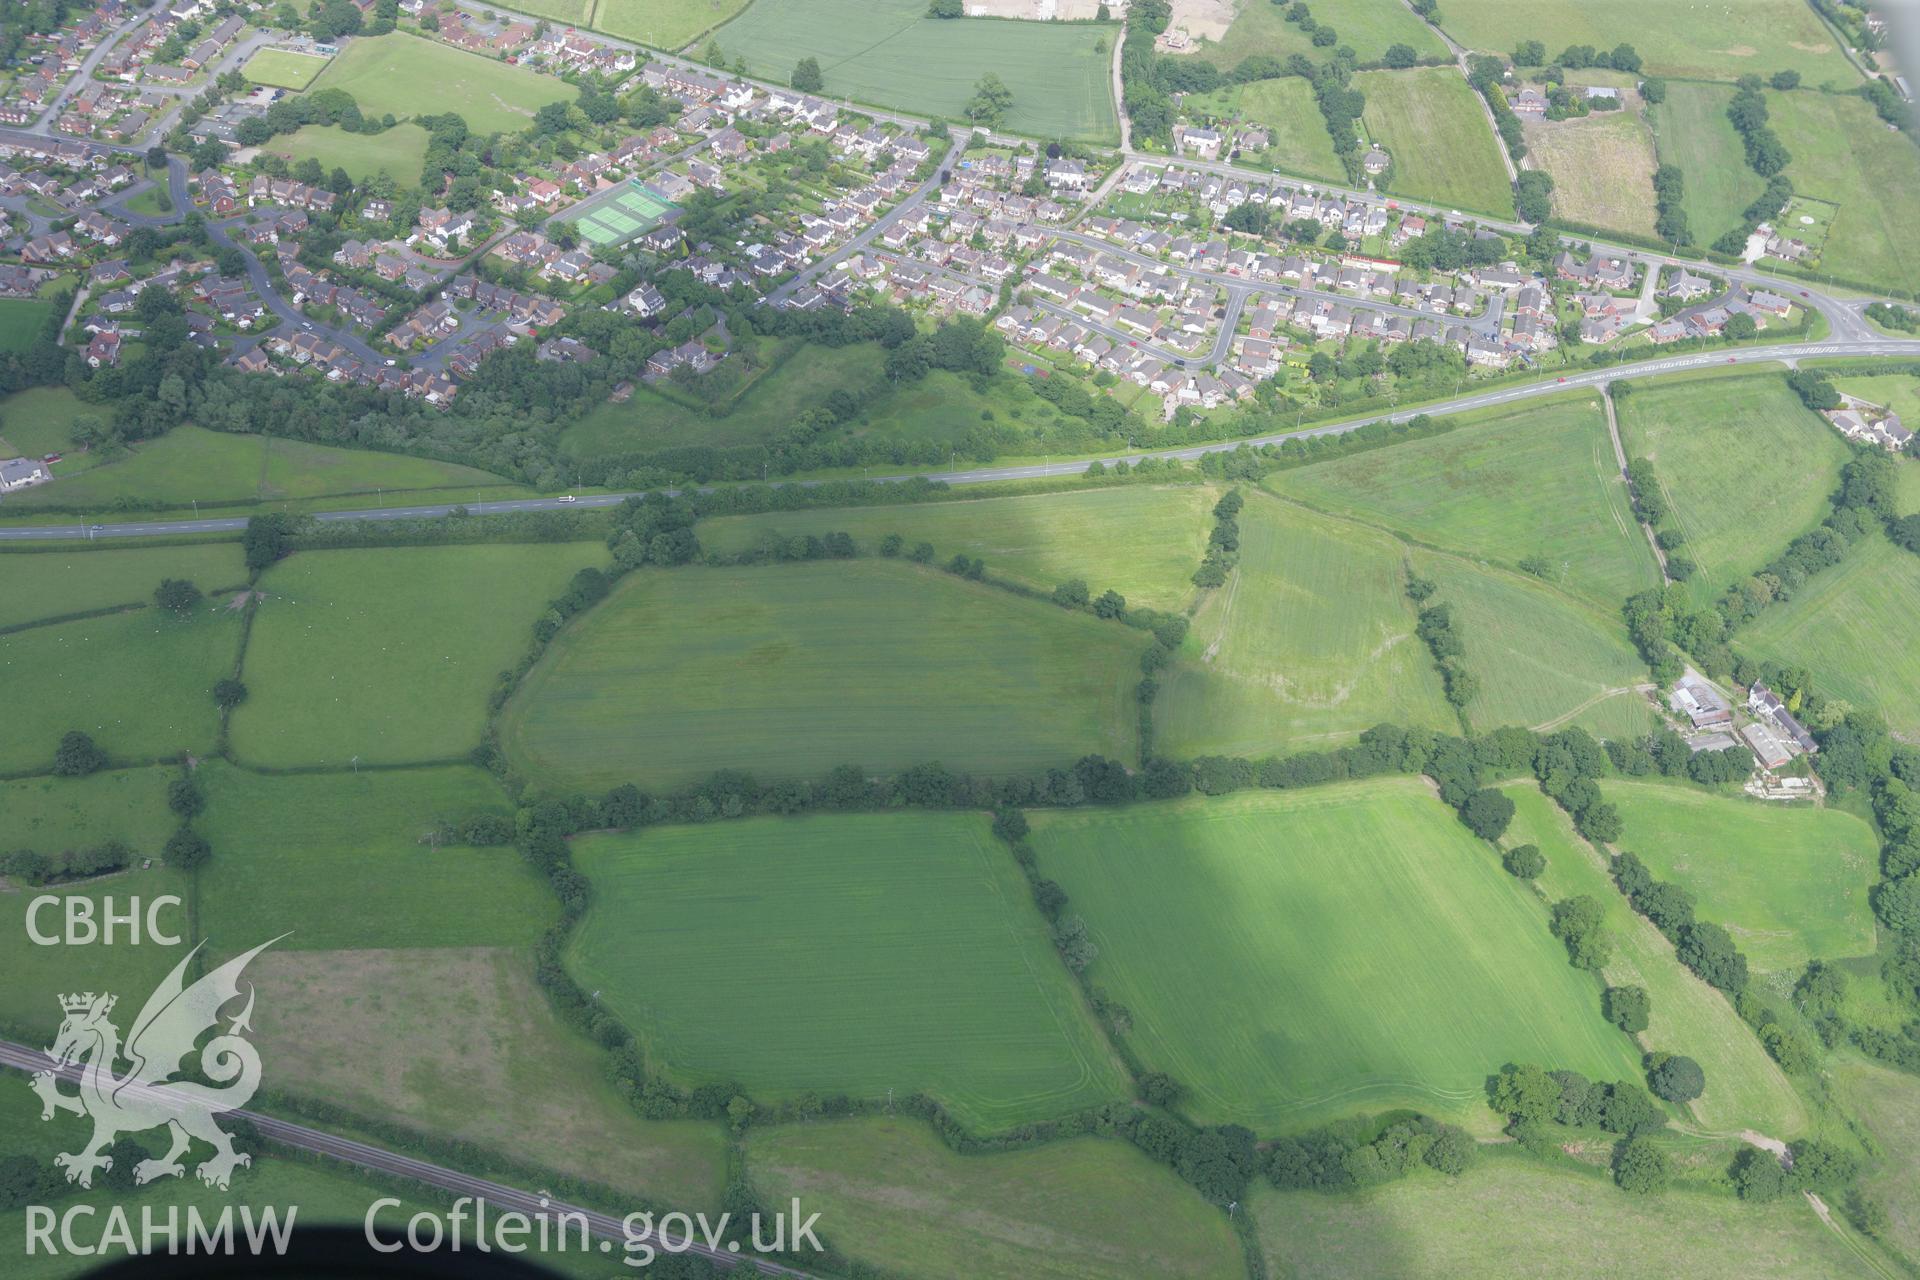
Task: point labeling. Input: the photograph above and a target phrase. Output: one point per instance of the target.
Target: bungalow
(22, 473)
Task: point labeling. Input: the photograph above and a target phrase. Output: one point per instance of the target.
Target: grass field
(1602, 169)
(652, 420)
(1443, 150)
(283, 68)
(1085, 1209)
(22, 321)
(791, 669)
(399, 152)
(190, 464)
(1693, 132)
(37, 976)
(1542, 658)
(1844, 154)
(841, 954)
(1534, 482)
(889, 53)
(1369, 28)
(1745, 1088)
(1285, 109)
(39, 421)
(1143, 542)
(1710, 40)
(1746, 467)
(52, 814)
(1294, 956)
(1889, 1103)
(1790, 884)
(1852, 627)
(408, 76)
(389, 655)
(1310, 641)
(664, 24)
(460, 1042)
(285, 848)
(52, 584)
(137, 682)
(1562, 1223)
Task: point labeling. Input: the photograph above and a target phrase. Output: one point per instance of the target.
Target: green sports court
(623, 215)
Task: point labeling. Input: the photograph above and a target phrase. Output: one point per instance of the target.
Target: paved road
(1909, 349)
(304, 1138)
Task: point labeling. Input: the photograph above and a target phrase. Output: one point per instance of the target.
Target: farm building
(1766, 705)
(1766, 744)
(1700, 702)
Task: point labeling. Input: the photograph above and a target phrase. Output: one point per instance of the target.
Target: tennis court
(623, 215)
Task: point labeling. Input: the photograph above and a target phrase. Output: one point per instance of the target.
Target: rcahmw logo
(150, 1093)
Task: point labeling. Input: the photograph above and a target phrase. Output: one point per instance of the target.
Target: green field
(791, 669)
(388, 655)
(286, 848)
(1542, 658)
(1311, 641)
(53, 584)
(1889, 1102)
(22, 321)
(137, 682)
(1539, 481)
(1692, 131)
(655, 420)
(1294, 956)
(1843, 153)
(1746, 467)
(1514, 1215)
(843, 955)
(37, 976)
(1711, 40)
(462, 1043)
(1141, 541)
(1285, 109)
(408, 76)
(53, 814)
(890, 53)
(1434, 126)
(1789, 883)
(1083, 1209)
(1745, 1088)
(399, 152)
(190, 464)
(664, 24)
(39, 421)
(1853, 628)
(283, 68)
(1367, 27)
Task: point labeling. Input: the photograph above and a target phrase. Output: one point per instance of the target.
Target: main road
(302, 1137)
(1788, 352)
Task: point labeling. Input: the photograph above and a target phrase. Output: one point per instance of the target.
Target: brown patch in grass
(461, 1042)
(1602, 167)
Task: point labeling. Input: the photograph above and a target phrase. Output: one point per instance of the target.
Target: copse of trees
(1524, 861)
(1628, 1008)
(1669, 195)
(1223, 542)
(177, 595)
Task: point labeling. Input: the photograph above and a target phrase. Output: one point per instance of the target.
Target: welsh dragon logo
(150, 1094)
